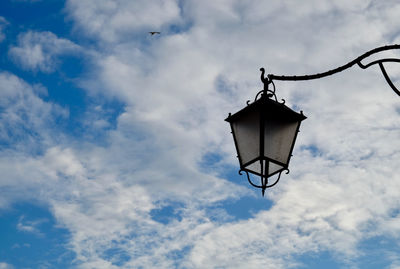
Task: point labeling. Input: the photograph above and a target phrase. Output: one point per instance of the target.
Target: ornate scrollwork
(265, 184)
(266, 91)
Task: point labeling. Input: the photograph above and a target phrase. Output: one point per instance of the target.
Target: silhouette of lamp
(265, 131)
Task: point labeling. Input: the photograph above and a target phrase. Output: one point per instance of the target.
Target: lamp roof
(268, 106)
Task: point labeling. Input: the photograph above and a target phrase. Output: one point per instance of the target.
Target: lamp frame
(268, 94)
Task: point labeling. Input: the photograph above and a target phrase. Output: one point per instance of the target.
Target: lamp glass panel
(279, 136)
(246, 130)
(255, 167)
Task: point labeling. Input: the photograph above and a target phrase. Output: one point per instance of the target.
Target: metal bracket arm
(357, 61)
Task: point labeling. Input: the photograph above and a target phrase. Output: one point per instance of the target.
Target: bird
(153, 33)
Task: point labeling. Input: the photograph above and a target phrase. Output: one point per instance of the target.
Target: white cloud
(171, 96)
(3, 25)
(26, 119)
(95, 187)
(113, 20)
(30, 226)
(27, 126)
(176, 93)
(4, 265)
(25, 245)
(328, 205)
(39, 51)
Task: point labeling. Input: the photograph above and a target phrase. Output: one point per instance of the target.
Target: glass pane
(255, 167)
(273, 168)
(246, 129)
(279, 137)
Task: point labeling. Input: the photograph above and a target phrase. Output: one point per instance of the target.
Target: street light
(265, 131)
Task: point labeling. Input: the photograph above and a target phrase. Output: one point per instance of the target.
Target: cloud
(39, 51)
(93, 186)
(4, 265)
(26, 129)
(25, 118)
(30, 226)
(111, 21)
(174, 94)
(3, 25)
(170, 88)
(25, 245)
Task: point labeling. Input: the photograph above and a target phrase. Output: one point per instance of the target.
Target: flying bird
(153, 33)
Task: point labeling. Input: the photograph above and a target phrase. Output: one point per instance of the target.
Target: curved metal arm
(343, 67)
(265, 184)
(388, 79)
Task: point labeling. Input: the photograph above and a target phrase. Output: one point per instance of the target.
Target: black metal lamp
(266, 130)
(264, 133)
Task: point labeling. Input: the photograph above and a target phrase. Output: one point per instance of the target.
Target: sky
(114, 152)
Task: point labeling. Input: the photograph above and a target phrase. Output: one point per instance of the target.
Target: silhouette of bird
(153, 33)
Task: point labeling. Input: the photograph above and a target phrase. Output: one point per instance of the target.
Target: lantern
(265, 132)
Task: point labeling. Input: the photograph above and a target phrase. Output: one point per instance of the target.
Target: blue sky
(114, 152)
